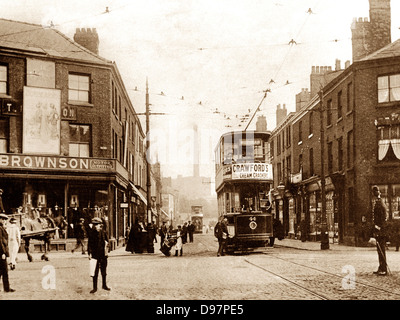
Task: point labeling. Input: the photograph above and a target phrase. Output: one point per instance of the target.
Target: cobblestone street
(286, 272)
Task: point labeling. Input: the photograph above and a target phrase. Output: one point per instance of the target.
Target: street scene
(289, 271)
(199, 151)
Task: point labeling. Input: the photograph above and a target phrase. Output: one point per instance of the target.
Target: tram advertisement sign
(252, 171)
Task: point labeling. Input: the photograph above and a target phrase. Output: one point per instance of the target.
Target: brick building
(360, 127)
(71, 142)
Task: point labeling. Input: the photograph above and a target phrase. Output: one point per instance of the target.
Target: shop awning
(136, 190)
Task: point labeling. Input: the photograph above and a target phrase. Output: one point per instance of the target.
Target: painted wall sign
(41, 121)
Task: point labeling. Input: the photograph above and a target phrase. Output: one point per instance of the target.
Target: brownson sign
(14, 161)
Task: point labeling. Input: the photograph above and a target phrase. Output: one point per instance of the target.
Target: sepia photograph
(199, 157)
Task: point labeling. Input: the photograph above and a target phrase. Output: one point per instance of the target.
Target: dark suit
(380, 233)
(3, 262)
(97, 249)
(191, 228)
(219, 231)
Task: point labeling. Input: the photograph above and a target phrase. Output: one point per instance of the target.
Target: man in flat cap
(4, 253)
(98, 250)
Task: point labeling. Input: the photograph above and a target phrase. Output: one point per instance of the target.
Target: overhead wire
(291, 43)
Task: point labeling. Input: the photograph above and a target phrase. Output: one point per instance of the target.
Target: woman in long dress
(14, 241)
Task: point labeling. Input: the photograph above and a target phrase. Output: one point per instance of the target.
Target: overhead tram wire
(291, 43)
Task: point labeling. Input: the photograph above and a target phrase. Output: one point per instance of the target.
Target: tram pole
(324, 229)
(148, 172)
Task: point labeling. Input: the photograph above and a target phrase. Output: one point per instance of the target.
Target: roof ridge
(23, 22)
(80, 46)
(58, 33)
(375, 53)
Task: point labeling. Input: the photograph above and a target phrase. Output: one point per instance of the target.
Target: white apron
(14, 241)
(178, 245)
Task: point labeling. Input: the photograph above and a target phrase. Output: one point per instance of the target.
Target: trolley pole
(148, 185)
(324, 229)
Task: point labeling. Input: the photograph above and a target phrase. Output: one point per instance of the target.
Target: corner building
(71, 143)
(357, 111)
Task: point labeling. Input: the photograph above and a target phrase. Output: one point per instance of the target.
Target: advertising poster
(41, 121)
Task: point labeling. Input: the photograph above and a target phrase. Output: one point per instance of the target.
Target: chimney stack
(370, 36)
(302, 98)
(281, 113)
(87, 38)
(261, 124)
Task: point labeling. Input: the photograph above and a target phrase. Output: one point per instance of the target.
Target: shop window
(389, 140)
(389, 88)
(3, 135)
(79, 140)
(3, 79)
(395, 201)
(78, 88)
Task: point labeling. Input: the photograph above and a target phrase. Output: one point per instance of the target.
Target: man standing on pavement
(4, 253)
(221, 232)
(191, 228)
(379, 217)
(163, 233)
(98, 250)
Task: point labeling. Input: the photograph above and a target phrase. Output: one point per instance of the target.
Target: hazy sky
(222, 53)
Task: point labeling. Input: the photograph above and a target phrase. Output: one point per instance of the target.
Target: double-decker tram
(243, 181)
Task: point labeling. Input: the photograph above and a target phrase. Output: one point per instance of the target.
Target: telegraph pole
(149, 213)
(324, 229)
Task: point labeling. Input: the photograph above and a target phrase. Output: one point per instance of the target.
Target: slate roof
(44, 41)
(389, 51)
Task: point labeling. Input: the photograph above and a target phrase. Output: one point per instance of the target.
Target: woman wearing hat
(98, 249)
(14, 241)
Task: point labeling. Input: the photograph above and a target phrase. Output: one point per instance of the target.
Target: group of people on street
(138, 238)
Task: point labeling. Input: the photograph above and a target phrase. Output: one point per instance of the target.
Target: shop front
(66, 189)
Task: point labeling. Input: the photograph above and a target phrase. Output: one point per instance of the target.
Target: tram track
(338, 276)
(356, 282)
(312, 292)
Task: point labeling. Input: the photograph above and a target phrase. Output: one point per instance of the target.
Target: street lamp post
(324, 229)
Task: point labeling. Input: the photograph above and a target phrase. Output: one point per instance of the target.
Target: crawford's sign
(252, 171)
(13, 161)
